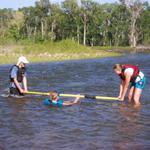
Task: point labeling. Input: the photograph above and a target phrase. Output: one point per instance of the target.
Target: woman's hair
(53, 94)
(117, 67)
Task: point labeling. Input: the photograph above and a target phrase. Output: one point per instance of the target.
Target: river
(27, 124)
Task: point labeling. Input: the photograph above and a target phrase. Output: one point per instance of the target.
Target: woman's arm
(125, 85)
(121, 89)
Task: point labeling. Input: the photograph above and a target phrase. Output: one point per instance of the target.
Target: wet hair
(53, 94)
(117, 67)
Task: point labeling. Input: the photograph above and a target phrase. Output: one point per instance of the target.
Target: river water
(27, 124)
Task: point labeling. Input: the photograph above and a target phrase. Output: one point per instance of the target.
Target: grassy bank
(51, 51)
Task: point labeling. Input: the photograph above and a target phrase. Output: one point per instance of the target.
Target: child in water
(55, 101)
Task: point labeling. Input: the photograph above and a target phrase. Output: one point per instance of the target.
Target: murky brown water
(26, 124)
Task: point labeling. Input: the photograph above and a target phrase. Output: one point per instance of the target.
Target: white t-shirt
(131, 70)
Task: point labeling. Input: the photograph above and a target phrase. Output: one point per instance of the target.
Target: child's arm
(68, 103)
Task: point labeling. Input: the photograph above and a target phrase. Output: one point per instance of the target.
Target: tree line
(126, 23)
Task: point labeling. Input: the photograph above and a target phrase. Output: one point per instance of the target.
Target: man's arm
(18, 85)
(25, 84)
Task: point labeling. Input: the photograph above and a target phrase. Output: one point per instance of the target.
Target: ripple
(27, 124)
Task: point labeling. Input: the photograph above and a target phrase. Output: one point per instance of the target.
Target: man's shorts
(15, 91)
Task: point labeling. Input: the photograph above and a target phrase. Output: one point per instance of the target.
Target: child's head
(53, 95)
(117, 68)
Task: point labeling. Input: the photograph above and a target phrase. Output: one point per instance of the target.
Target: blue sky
(15, 4)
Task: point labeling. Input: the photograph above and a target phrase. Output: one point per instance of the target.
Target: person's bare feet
(137, 105)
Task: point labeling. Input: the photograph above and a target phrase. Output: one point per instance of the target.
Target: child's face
(117, 71)
(54, 96)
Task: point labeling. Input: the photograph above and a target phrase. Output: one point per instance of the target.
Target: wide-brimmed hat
(22, 59)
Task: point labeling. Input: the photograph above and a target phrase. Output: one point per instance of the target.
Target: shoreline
(48, 57)
(65, 51)
(50, 52)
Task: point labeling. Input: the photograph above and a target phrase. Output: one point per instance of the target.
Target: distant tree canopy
(126, 23)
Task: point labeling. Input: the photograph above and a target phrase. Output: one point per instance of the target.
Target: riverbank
(47, 57)
(55, 51)
(50, 51)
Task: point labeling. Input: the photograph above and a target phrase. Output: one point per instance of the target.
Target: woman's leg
(131, 92)
(136, 96)
(139, 86)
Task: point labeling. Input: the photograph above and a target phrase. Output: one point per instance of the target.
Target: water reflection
(128, 127)
(17, 126)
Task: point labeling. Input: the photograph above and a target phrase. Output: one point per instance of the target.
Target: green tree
(94, 22)
(6, 17)
(144, 26)
(73, 21)
(135, 7)
(106, 26)
(120, 18)
(56, 22)
(85, 13)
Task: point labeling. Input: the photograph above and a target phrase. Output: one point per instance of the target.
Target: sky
(15, 4)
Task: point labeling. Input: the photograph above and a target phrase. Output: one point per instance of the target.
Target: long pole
(75, 95)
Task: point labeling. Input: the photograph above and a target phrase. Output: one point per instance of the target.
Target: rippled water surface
(26, 124)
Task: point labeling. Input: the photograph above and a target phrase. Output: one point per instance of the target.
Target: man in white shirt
(18, 79)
